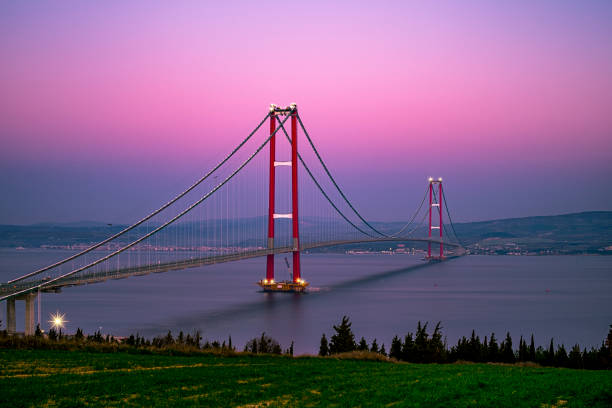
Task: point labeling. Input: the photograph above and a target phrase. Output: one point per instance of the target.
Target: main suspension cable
(321, 188)
(435, 196)
(413, 216)
(148, 217)
(334, 181)
(155, 231)
(450, 220)
(419, 225)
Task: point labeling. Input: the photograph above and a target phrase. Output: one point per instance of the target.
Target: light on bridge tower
(297, 284)
(435, 201)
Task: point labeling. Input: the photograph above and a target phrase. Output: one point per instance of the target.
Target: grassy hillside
(64, 378)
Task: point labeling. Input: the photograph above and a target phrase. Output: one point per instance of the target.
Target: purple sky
(508, 101)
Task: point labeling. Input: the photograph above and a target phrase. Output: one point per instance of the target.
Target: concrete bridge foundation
(10, 316)
(11, 320)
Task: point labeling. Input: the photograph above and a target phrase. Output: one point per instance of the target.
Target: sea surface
(568, 298)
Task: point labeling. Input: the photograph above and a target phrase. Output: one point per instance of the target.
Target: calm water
(568, 298)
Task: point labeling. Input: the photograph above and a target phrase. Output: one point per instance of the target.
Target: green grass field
(45, 378)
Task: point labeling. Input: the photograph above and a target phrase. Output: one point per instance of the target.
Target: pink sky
(466, 88)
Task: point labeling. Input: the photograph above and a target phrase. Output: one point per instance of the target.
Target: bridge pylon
(435, 201)
(297, 284)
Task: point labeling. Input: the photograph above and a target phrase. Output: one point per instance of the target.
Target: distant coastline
(588, 233)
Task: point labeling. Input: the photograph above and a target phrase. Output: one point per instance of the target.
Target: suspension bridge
(235, 211)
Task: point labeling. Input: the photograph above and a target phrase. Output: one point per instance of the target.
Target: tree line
(424, 347)
(181, 343)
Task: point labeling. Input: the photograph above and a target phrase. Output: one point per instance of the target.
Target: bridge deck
(9, 290)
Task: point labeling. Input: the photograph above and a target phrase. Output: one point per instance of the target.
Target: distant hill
(568, 233)
(35, 236)
(75, 224)
(586, 232)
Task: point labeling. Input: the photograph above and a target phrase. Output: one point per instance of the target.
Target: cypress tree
(408, 348)
(522, 351)
(493, 354)
(344, 339)
(561, 359)
(460, 351)
(363, 345)
(603, 358)
(484, 349)
(540, 355)
(275, 348)
(382, 350)
(532, 350)
(420, 342)
(263, 344)
(323, 349)
(508, 352)
(590, 359)
(437, 350)
(473, 348)
(575, 357)
(396, 348)
(169, 339)
(550, 355)
(374, 348)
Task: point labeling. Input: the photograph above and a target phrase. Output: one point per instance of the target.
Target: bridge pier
(29, 314)
(30, 321)
(11, 326)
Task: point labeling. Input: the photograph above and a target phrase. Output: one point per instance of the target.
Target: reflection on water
(562, 297)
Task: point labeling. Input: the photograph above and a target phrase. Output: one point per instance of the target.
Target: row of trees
(418, 347)
(266, 345)
(423, 347)
(263, 344)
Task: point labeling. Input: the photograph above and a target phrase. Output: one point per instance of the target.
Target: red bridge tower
(435, 201)
(297, 284)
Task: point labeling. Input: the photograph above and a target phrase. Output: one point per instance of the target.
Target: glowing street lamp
(58, 320)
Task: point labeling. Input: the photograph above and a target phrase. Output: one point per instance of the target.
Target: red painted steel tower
(270, 257)
(297, 284)
(435, 201)
(294, 195)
